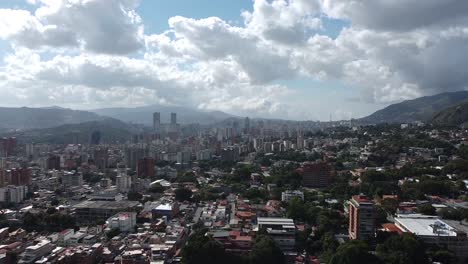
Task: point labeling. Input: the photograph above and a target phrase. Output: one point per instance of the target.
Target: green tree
(296, 209)
(354, 252)
(202, 249)
(112, 233)
(183, 194)
(427, 209)
(402, 249)
(134, 196)
(265, 251)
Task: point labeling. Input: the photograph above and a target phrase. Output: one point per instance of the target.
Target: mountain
(419, 109)
(110, 130)
(452, 116)
(33, 118)
(144, 114)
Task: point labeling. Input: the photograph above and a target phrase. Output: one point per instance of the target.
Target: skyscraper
(247, 125)
(157, 122)
(173, 118)
(361, 218)
(145, 167)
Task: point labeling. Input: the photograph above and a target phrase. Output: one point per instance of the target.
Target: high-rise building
(247, 125)
(361, 218)
(7, 146)
(71, 179)
(145, 168)
(123, 182)
(133, 154)
(53, 162)
(157, 122)
(101, 158)
(173, 118)
(316, 175)
(96, 137)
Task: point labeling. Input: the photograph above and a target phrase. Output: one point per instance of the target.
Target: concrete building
(72, 179)
(13, 194)
(361, 218)
(123, 182)
(316, 175)
(91, 211)
(35, 252)
(145, 168)
(434, 231)
(287, 196)
(157, 122)
(125, 222)
(281, 230)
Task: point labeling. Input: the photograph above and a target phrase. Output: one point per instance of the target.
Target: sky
(290, 59)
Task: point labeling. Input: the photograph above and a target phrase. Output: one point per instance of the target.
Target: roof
(106, 204)
(425, 226)
(275, 221)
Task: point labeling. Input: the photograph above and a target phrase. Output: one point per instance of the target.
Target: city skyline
(301, 60)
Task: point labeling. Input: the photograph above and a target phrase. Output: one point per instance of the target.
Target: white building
(35, 252)
(72, 179)
(287, 196)
(64, 237)
(13, 194)
(125, 222)
(434, 231)
(123, 182)
(281, 230)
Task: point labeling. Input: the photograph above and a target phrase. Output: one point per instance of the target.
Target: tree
(354, 252)
(296, 209)
(134, 196)
(112, 233)
(54, 202)
(427, 209)
(265, 251)
(202, 249)
(402, 249)
(183, 194)
(156, 188)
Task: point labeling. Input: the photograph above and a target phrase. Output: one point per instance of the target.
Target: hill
(452, 116)
(144, 114)
(33, 118)
(110, 131)
(419, 109)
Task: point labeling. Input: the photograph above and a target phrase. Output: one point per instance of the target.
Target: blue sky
(294, 59)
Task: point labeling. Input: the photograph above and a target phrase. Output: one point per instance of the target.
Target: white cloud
(75, 52)
(110, 26)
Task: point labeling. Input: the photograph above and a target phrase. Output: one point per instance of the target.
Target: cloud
(398, 15)
(90, 52)
(111, 26)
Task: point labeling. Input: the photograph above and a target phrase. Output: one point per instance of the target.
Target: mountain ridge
(419, 109)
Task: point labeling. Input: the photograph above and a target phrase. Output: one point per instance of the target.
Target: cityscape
(233, 132)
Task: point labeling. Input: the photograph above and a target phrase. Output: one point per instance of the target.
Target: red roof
(389, 227)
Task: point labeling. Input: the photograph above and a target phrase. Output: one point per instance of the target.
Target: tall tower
(173, 118)
(156, 122)
(247, 125)
(361, 218)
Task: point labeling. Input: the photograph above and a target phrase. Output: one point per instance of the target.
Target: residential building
(361, 218)
(281, 230)
(316, 175)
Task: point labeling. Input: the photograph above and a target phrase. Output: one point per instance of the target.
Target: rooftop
(106, 204)
(425, 226)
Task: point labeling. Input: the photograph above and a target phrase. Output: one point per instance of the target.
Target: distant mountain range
(452, 116)
(32, 118)
(419, 109)
(144, 114)
(110, 130)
